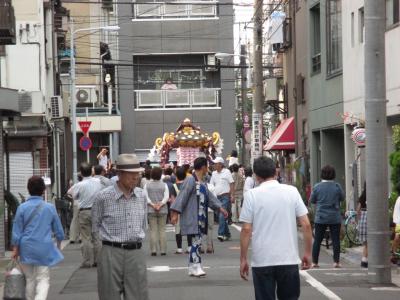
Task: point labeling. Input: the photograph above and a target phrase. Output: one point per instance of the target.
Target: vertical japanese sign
(256, 141)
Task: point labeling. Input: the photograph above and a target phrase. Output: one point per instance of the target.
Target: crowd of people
(115, 207)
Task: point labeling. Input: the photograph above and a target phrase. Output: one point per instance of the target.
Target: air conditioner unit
(271, 89)
(25, 101)
(56, 107)
(31, 102)
(86, 95)
(211, 63)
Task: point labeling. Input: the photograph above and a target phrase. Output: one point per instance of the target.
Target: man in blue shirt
(34, 224)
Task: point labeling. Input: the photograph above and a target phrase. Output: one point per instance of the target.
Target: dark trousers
(319, 236)
(282, 282)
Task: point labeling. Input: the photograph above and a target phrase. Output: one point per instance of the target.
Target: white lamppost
(73, 100)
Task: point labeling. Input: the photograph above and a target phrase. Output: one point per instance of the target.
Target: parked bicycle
(327, 241)
(351, 227)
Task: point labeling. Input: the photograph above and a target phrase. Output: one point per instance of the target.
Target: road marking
(392, 289)
(330, 269)
(237, 227)
(347, 274)
(319, 286)
(168, 268)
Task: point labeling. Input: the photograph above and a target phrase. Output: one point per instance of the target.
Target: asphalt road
(168, 278)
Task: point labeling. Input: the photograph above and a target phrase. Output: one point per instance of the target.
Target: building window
(392, 12)
(315, 14)
(334, 36)
(361, 25)
(352, 29)
(300, 89)
(174, 10)
(175, 81)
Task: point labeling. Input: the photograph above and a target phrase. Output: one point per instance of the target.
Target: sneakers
(196, 270)
(364, 264)
(221, 238)
(179, 251)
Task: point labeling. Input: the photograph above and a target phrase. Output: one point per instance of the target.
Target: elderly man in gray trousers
(120, 220)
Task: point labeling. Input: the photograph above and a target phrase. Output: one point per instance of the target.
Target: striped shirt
(116, 218)
(85, 190)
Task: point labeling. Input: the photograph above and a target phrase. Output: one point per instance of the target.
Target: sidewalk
(4, 262)
(353, 256)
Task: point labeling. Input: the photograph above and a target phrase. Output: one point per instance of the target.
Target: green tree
(394, 161)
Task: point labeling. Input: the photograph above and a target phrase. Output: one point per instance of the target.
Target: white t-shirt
(233, 161)
(249, 183)
(221, 181)
(396, 212)
(103, 161)
(272, 208)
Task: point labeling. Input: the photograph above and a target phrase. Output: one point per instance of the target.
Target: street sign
(256, 141)
(85, 143)
(85, 125)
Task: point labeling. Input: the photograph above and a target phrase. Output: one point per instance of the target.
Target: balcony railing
(183, 98)
(175, 10)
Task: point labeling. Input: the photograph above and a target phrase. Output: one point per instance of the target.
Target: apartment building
(325, 84)
(353, 84)
(95, 89)
(30, 67)
(175, 43)
(8, 105)
(29, 81)
(296, 68)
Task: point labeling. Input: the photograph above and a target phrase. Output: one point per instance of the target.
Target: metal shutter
(21, 169)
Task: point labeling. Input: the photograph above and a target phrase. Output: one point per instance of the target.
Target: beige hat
(128, 163)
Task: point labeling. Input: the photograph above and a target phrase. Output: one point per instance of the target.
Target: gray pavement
(168, 277)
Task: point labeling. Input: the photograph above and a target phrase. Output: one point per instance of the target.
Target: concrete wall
(141, 128)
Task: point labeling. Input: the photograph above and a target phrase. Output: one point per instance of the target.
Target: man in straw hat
(119, 218)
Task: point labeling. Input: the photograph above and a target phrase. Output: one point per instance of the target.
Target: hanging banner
(256, 141)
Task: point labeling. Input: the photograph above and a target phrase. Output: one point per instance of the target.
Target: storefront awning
(283, 138)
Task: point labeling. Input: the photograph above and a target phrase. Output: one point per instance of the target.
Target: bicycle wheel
(351, 231)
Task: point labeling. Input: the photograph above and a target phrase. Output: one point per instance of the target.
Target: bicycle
(351, 227)
(327, 237)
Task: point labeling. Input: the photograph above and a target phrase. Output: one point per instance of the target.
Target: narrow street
(168, 277)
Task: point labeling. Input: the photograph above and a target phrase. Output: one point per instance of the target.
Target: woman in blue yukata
(192, 204)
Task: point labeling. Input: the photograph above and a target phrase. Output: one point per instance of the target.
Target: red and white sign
(358, 136)
(85, 125)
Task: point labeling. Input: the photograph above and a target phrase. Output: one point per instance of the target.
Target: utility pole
(379, 270)
(243, 86)
(257, 119)
(73, 105)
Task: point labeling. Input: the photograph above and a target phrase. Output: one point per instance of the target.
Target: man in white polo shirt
(223, 183)
(269, 217)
